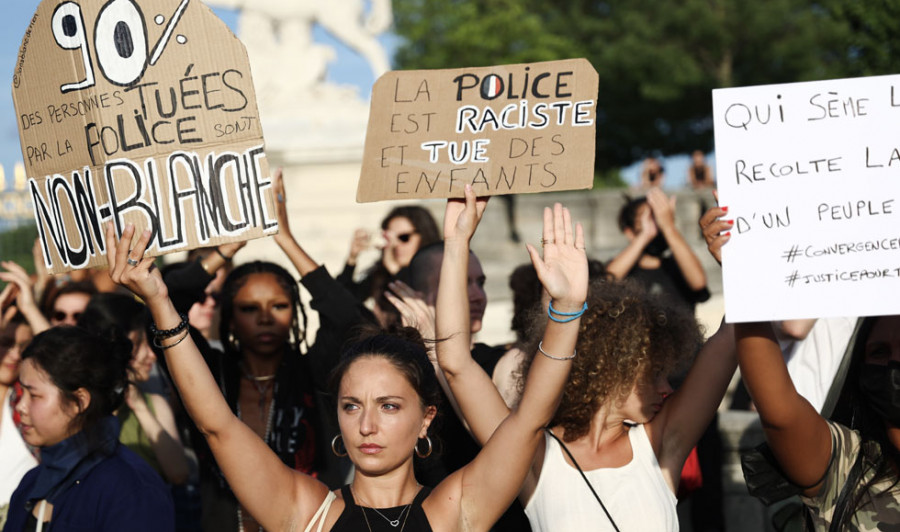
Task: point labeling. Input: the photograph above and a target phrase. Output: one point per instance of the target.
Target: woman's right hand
(563, 269)
(462, 216)
(143, 279)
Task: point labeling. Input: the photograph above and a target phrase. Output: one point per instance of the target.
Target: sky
(348, 69)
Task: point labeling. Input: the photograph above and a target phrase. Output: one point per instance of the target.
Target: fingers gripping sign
(130, 268)
(462, 216)
(716, 231)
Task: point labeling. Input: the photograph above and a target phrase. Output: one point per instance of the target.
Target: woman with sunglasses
(405, 230)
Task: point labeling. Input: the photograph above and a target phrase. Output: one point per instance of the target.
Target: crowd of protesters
(189, 398)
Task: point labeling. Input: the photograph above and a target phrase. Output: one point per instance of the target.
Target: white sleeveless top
(635, 495)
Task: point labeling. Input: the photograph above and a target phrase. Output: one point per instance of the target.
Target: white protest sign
(810, 173)
(144, 113)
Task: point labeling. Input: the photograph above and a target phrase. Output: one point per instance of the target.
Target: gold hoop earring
(233, 342)
(334, 446)
(427, 453)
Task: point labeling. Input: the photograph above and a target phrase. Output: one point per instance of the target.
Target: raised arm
(664, 213)
(158, 424)
(798, 435)
(285, 239)
(625, 261)
(685, 415)
(481, 405)
(563, 271)
(273, 493)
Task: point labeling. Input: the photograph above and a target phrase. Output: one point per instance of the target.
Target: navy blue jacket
(120, 493)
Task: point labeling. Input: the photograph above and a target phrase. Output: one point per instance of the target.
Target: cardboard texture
(139, 112)
(507, 129)
(808, 172)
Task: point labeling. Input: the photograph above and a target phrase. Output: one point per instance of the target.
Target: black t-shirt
(669, 281)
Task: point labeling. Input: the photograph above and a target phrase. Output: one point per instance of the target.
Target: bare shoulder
(313, 502)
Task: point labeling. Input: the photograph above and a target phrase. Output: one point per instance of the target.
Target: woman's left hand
(716, 231)
(140, 275)
(563, 269)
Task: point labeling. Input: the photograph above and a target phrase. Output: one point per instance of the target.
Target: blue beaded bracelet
(569, 316)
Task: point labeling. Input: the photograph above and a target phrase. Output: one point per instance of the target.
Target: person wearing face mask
(845, 464)
(657, 255)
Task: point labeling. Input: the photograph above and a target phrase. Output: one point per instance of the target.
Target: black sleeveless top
(353, 519)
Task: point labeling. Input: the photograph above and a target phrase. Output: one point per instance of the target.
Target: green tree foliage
(16, 245)
(658, 60)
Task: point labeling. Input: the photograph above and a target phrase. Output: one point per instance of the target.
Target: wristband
(158, 343)
(552, 313)
(168, 333)
(548, 355)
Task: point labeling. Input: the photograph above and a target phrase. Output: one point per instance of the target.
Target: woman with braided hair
(271, 379)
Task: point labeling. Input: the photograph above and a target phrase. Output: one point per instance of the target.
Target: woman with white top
(618, 421)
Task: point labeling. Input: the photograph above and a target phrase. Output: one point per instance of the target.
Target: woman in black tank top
(387, 392)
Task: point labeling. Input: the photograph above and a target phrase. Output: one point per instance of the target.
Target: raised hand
(462, 216)
(563, 269)
(663, 208)
(414, 312)
(8, 304)
(130, 268)
(18, 277)
(284, 227)
(360, 242)
(716, 232)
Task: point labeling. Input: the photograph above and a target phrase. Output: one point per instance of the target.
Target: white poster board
(810, 173)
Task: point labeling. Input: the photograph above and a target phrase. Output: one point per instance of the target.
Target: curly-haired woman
(619, 422)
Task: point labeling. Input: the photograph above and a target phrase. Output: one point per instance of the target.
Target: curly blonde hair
(626, 333)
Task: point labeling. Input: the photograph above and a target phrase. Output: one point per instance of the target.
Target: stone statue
(279, 41)
(306, 118)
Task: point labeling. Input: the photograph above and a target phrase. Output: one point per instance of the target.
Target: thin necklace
(393, 522)
(262, 385)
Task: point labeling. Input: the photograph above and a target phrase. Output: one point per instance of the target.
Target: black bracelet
(168, 333)
(158, 343)
(217, 250)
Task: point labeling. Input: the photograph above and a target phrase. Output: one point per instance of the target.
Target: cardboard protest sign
(809, 172)
(138, 112)
(505, 130)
